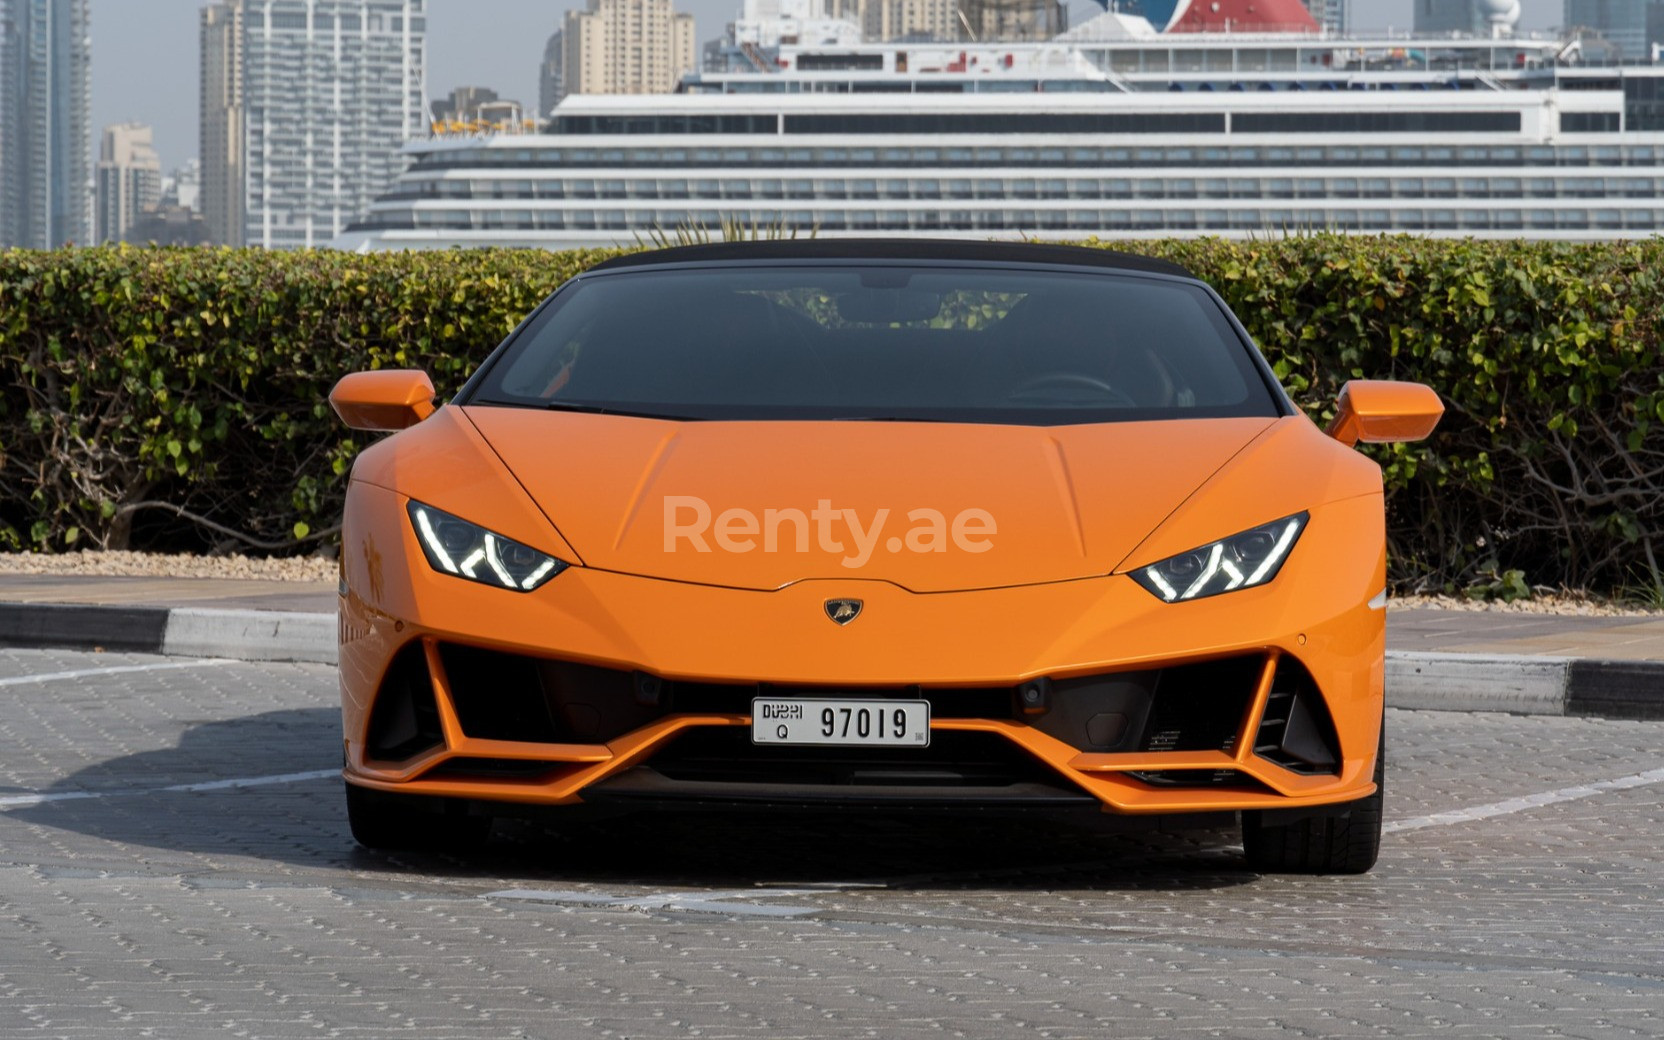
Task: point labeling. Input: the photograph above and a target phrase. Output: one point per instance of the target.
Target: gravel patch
(167, 565)
(1561, 603)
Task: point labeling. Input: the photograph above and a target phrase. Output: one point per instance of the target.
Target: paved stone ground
(128, 910)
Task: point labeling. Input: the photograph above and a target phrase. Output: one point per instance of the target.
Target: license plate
(867, 723)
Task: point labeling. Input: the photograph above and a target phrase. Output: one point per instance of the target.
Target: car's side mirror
(1379, 411)
(388, 399)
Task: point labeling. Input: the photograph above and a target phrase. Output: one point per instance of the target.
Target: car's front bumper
(703, 651)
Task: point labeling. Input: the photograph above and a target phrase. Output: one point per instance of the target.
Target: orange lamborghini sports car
(895, 524)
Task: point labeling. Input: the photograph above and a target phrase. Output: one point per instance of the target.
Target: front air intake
(503, 696)
(404, 720)
(1296, 731)
(1200, 707)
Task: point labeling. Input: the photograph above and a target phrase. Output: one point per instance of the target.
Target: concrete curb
(1616, 689)
(245, 635)
(1525, 685)
(1478, 682)
(136, 629)
(1425, 681)
(251, 635)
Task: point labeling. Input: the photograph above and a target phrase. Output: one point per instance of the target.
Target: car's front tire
(392, 821)
(1340, 839)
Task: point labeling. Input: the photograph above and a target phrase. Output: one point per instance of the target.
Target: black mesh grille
(953, 759)
(1200, 707)
(502, 696)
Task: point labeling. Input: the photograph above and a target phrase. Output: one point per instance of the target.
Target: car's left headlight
(1239, 562)
(467, 550)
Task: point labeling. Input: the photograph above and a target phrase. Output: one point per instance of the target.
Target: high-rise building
(1445, 16)
(838, 23)
(769, 23)
(1632, 26)
(478, 108)
(176, 220)
(1331, 15)
(909, 19)
(306, 107)
(626, 47)
(332, 89)
(551, 80)
(221, 139)
(938, 20)
(1466, 17)
(45, 123)
(129, 179)
(183, 187)
(169, 225)
(463, 104)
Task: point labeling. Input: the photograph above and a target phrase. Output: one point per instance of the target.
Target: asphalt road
(174, 863)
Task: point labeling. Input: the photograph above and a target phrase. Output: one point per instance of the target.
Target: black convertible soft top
(898, 249)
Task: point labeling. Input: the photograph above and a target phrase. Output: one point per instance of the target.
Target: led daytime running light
(1241, 561)
(430, 540)
(485, 557)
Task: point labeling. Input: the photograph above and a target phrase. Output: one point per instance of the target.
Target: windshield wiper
(891, 418)
(638, 413)
(607, 409)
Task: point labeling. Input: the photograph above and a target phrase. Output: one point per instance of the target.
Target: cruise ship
(1111, 130)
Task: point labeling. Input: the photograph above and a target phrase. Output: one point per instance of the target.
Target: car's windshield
(874, 342)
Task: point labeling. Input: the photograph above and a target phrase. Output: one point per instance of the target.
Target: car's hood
(657, 498)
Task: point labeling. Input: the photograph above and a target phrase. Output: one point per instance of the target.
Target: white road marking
(1530, 801)
(18, 801)
(251, 781)
(90, 673)
(698, 902)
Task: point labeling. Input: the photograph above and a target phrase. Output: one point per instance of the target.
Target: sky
(145, 52)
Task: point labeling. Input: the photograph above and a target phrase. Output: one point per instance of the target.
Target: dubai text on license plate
(859, 723)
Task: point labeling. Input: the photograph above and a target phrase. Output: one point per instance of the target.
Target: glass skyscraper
(308, 103)
(45, 123)
(1633, 26)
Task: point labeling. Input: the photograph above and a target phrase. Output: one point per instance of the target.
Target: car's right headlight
(467, 550)
(1241, 561)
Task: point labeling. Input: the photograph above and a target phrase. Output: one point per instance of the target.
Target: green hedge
(178, 396)
(146, 383)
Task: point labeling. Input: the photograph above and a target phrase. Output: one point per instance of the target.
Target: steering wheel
(1036, 386)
